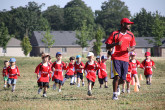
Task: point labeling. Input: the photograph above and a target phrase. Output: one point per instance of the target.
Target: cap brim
(130, 22)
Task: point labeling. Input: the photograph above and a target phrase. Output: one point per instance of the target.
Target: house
(13, 48)
(65, 42)
(142, 46)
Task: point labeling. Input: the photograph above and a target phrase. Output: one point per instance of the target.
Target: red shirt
(103, 73)
(4, 71)
(44, 72)
(120, 51)
(148, 66)
(58, 73)
(70, 69)
(77, 67)
(134, 66)
(91, 70)
(12, 72)
(128, 76)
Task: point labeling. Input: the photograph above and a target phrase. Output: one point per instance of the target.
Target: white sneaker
(123, 91)
(39, 91)
(78, 85)
(114, 97)
(54, 87)
(128, 91)
(4, 86)
(59, 90)
(44, 95)
(118, 90)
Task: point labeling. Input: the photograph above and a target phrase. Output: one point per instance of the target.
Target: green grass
(25, 97)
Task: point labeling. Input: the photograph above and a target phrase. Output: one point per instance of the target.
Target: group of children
(75, 70)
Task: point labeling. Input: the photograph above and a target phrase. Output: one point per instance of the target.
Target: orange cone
(141, 78)
(133, 81)
(136, 89)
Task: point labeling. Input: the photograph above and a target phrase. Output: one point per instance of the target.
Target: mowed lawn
(25, 97)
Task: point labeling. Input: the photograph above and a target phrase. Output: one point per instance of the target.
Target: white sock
(72, 79)
(114, 93)
(5, 85)
(13, 87)
(75, 79)
(82, 82)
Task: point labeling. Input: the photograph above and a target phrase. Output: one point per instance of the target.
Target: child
(135, 64)
(79, 65)
(128, 79)
(103, 73)
(12, 72)
(98, 61)
(6, 64)
(147, 65)
(90, 67)
(70, 71)
(43, 74)
(58, 67)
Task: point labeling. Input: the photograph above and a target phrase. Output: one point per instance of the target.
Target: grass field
(25, 97)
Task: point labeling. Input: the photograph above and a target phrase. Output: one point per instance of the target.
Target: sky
(134, 6)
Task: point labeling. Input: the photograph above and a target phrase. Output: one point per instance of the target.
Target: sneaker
(59, 90)
(123, 91)
(12, 90)
(78, 85)
(147, 82)
(118, 90)
(4, 86)
(106, 86)
(114, 97)
(128, 91)
(89, 93)
(71, 84)
(83, 84)
(8, 85)
(54, 87)
(39, 91)
(44, 95)
(138, 86)
(74, 83)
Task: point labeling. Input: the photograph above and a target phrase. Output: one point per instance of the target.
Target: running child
(135, 64)
(147, 65)
(90, 67)
(58, 67)
(6, 64)
(12, 72)
(103, 73)
(79, 68)
(128, 79)
(70, 69)
(43, 71)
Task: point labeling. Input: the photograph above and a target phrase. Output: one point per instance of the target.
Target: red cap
(126, 20)
(147, 54)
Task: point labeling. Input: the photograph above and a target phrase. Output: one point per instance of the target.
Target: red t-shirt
(58, 73)
(148, 66)
(4, 71)
(134, 66)
(102, 73)
(77, 67)
(128, 76)
(12, 72)
(70, 69)
(91, 70)
(120, 52)
(44, 72)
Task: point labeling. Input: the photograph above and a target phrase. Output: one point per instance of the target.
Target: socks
(64, 80)
(13, 88)
(75, 79)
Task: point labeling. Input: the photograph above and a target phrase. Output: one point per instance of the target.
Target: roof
(62, 38)
(13, 42)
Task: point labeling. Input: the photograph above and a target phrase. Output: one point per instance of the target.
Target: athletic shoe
(83, 84)
(59, 90)
(147, 82)
(54, 87)
(71, 84)
(44, 95)
(139, 86)
(39, 91)
(78, 85)
(128, 91)
(74, 83)
(12, 90)
(89, 93)
(106, 86)
(118, 90)
(4, 86)
(114, 97)
(8, 85)
(123, 91)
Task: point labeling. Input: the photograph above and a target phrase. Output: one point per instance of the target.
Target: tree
(26, 46)
(55, 16)
(4, 36)
(143, 23)
(112, 11)
(75, 12)
(48, 39)
(99, 36)
(82, 36)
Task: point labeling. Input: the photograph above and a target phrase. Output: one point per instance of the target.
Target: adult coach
(119, 43)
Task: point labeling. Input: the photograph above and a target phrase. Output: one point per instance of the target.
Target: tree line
(75, 15)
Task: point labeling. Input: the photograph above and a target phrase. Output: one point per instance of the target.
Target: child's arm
(18, 73)
(154, 66)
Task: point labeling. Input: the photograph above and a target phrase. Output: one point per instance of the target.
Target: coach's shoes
(114, 97)
(39, 90)
(89, 93)
(118, 90)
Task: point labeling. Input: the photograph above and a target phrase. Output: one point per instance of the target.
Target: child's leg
(78, 82)
(64, 80)
(59, 88)
(13, 87)
(72, 80)
(123, 86)
(147, 79)
(106, 82)
(150, 79)
(128, 87)
(75, 79)
(45, 90)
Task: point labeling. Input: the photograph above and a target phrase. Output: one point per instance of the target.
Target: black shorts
(58, 81)
(80, 75)
(93, 83)
(148, 76)
(68, 76)
(101, 81)
(43, 84)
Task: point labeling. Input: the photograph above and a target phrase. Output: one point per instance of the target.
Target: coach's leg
(115, 83)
